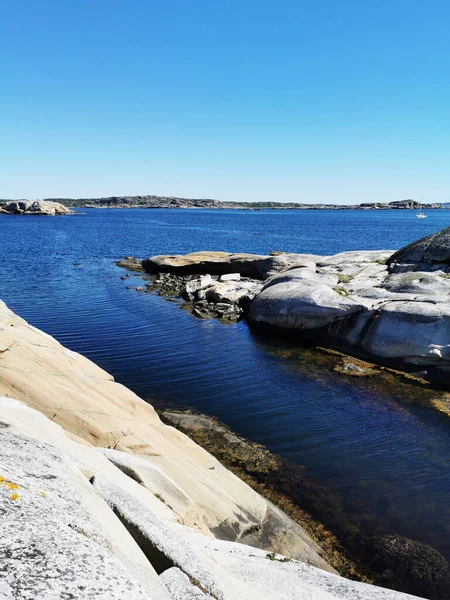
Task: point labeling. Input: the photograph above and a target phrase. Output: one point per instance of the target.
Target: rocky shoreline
(370, 559)
(33, 207)
(387, 307)
(152, 201)
(100, 499)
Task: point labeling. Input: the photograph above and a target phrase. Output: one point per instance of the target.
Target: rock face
(189, 485)
(37, 207)
(292, 302)
(222, 263)
(75, 525)
(401, 318)
(425, 254)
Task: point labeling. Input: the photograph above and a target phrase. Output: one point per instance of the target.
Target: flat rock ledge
(384, 306)
(99, 499)
(36, 208)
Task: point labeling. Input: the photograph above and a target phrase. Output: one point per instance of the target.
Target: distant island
(174, 202)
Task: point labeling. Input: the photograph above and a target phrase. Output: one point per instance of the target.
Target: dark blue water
(387, 458)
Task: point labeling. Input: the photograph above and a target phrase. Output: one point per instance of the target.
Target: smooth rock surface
(87, 403)
(290, 303)
(52, 546)
(81, 522)
(419, 332)
(246, 572)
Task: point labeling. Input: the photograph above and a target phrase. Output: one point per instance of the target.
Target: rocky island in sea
(389, 307)
(33, 207)
(152, 201)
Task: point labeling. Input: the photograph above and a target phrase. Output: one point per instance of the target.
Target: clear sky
(308, 101)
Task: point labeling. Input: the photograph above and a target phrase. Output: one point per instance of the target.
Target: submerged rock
(410, 566)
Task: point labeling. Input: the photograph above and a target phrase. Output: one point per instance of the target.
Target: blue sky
(325, 101)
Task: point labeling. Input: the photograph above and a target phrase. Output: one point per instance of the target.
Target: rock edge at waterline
(100, 500)
(385, 306)
(34, 207)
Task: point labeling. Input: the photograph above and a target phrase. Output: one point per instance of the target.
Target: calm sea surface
(386, 458)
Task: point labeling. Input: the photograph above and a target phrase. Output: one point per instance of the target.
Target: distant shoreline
(175, 202)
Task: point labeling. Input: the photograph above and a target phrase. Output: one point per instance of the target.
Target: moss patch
(344, 278)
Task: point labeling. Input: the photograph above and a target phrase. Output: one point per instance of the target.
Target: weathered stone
(155, 480)
(232, 292)
(245, 572)
(416, 332)
(295, 304)
(181, 587)
(230, 277)
(432, 249)
(418, 282)
(51, 544)
(198, 284)
(163, 545)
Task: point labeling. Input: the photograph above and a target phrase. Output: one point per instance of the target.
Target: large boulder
(431, 250)
(353, 302)
(291, 303)
(415, 332)
(408, 565)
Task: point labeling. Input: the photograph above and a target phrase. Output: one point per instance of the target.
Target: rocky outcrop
(85, 400)
(292, 302)
(37, 207)
(398, 318)
(76, 524)
(429, 253)
(385, 306)
(221, 263)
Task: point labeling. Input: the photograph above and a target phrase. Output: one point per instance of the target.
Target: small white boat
(421, 215)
